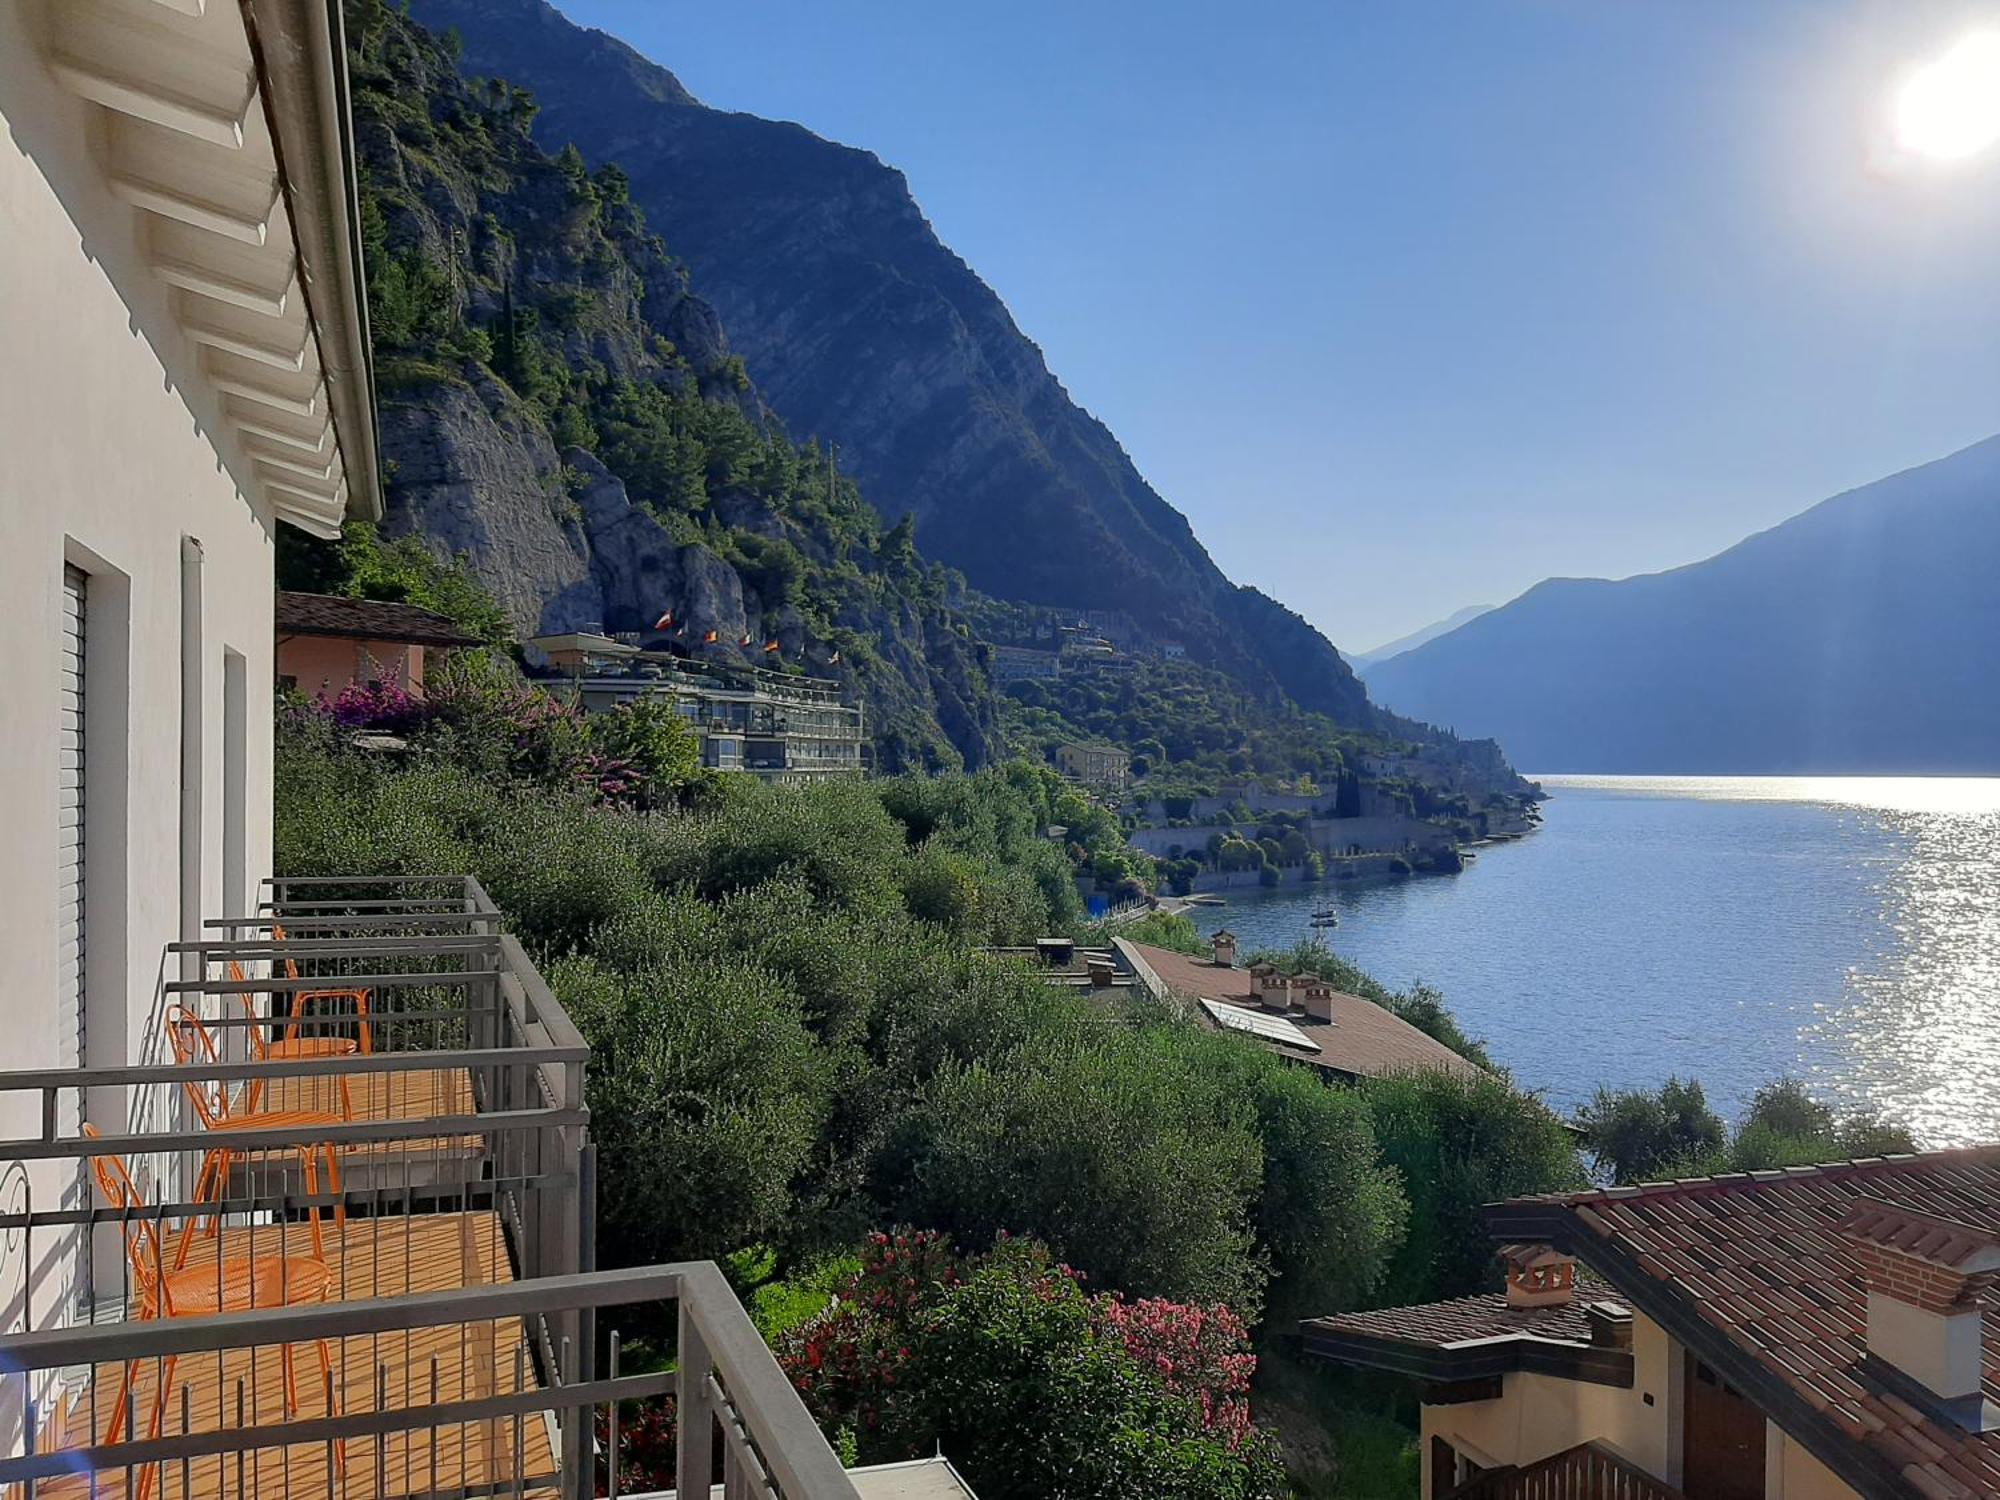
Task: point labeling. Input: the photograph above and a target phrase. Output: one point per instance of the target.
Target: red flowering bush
(1202, 1353)
(1030, 1384)
(648, 1445)
(847, 1358)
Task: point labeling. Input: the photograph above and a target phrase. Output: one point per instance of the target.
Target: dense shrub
(707, 1096)
(1033, 1386)
(1637, 1136)
(1461, 1143)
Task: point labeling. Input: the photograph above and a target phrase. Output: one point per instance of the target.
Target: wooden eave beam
(277, 356)
(231, 223)
(130, 96)
(213, 284)
(263, 395)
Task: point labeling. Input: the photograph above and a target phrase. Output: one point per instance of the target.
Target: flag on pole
(666, 619)
(709, 639)
(833, 660)
(770, 647)
(744, 642)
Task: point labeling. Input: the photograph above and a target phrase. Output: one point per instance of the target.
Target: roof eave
(1871, 1474)
(1471, 1359)
(300, 48)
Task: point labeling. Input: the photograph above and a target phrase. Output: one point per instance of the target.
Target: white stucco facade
(123, 455)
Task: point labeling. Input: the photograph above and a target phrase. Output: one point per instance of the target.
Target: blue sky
(1409, 305)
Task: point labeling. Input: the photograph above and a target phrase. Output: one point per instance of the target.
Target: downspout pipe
(194, 689)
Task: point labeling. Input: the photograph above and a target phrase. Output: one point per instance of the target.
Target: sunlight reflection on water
(1843, 929)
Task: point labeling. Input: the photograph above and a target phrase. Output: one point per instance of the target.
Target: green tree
(1133, 1166)
(1460, 1143)
(363, 565)
(1634, 1135)
(706, 1098)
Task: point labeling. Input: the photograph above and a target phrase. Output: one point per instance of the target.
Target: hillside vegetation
(563, 411)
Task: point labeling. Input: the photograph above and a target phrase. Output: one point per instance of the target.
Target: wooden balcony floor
(394, 1371)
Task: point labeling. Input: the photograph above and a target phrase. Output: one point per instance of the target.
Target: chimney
(1538, 1275)
(1276, 992)
(1925, 1277)
(1610, 1325)
(1316, 995)
(1224, 943)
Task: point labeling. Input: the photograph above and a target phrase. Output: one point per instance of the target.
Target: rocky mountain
(1364, 661)
(563, 410)
(1860, 636)
(863, 328)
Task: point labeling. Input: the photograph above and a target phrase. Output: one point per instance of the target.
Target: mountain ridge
(1842, 640)
(866, 329)
(1362, 661)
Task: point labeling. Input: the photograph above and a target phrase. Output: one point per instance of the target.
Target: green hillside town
(647, 865)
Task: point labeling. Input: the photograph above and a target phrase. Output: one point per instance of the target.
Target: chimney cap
(1530, 1257)
(1964, 1248)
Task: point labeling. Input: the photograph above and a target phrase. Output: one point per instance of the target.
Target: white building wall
(105, 463)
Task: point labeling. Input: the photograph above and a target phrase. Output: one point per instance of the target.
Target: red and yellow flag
(769, 647)
(708, 639)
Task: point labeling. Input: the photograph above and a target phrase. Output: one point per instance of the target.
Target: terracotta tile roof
(1761, 1274)
(365, 620)
(1363, 1039)
(1487, 1316)
(1943, 1242)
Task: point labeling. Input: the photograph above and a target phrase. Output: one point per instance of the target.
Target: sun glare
(1950, 108)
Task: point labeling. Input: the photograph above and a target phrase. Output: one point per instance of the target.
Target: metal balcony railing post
(694, 1462)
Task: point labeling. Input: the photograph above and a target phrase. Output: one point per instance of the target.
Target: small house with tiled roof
(1301, 1017)
(1815, 1333)
(327, 642)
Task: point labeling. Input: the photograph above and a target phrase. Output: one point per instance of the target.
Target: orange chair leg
(333, 1182)
(309, 1159)
(117, 1423)
(151, 1472)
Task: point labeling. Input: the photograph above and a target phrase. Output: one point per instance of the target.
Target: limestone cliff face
(562, 410)
(864, 329)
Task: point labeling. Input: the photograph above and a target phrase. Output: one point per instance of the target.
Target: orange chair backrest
(142, 1232)
(260, 1049)
(192, 1044)
(278, 936)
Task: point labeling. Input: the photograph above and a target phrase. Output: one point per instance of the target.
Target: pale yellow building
(1094, 763)
(1808, 1334)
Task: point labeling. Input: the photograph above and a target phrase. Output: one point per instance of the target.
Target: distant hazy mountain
(1861, 636)
(1363, 660)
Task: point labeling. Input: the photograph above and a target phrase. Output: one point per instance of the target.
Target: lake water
(1843, 930)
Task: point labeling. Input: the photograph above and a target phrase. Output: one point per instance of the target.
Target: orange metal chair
(358, 998)
(192, 1043)
(234, 1284)
(284, 1048)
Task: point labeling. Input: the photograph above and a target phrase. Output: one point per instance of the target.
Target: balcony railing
(353, 1252)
